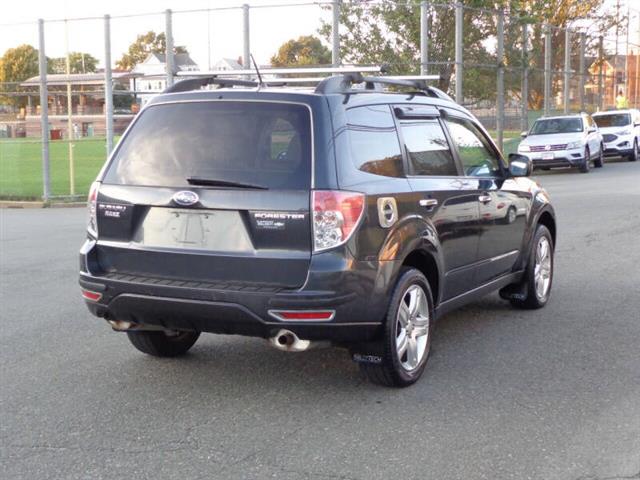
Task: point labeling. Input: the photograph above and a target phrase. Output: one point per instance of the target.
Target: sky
(208, 36)
(270, 27)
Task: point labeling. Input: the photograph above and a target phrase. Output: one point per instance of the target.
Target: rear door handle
(428, 202)
(484, 198)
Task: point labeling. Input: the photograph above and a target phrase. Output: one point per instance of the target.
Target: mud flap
(369, 352)
(515, 291)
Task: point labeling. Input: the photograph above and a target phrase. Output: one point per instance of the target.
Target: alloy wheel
(412, 329)
(542, 269)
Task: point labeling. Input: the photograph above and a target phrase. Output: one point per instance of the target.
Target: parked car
(620, 131)
(338, 214)
(564, 141)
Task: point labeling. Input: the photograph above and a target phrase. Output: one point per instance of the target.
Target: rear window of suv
(614, 120)
(258, 143)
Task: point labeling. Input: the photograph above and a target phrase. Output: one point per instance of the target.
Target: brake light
(92, 207)
(335, 217)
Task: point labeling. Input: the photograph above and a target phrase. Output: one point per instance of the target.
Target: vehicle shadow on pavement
(245, 365)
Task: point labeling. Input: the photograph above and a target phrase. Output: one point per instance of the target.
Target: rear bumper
(354, 290)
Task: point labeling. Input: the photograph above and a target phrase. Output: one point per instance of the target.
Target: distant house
(150, 75)
(614, 78)
(227, 64)
(87, 105)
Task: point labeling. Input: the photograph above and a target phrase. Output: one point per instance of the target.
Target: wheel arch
(426, 263)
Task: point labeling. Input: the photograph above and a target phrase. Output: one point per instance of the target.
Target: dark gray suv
(345, 213)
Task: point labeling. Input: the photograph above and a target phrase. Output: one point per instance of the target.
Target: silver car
(563, 141)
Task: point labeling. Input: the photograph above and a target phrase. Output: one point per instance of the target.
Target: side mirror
(519, 165)
(592, 130)
(524, 134)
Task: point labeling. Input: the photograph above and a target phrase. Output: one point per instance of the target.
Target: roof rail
(198, 83)
(284, 71)
(343, 84)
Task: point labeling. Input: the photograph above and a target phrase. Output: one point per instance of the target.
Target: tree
(150, 42)
(304, 51)
(16, 65)
(387, 32)
(79, 63)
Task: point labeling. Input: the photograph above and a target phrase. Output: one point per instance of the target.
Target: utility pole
(600, 73)
(500, 81)
(567, 69)
(108, 84)
(72, 176)
(170, 69)
(459, 49)
(525, 77)
(44, 113)
(424, 37)
(583, 48)
(246, 38)
(335, 33)
(547, 70)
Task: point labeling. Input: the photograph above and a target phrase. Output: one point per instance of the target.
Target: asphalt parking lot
(549, 394)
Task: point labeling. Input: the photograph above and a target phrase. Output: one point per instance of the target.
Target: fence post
(44, 113)
(459, 46)
(567, 69)
(547, 70)
(246, 38)
(500, 82)
(424, 36)
(108, 84)
(600, 73)
(335, 33)
(581, 66)
(169, 63)
(525, 77)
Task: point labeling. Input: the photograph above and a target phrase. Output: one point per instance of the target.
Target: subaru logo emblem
(186, 198)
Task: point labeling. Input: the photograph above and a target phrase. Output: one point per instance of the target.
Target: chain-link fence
(501, 64)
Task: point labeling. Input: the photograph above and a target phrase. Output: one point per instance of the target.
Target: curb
(24, 205)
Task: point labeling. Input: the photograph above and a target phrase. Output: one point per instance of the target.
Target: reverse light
(303, 315)
(524, 148)
(92, 207)
(89, 295)
(335, 217)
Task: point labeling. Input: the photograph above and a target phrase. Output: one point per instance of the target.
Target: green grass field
(21, 167)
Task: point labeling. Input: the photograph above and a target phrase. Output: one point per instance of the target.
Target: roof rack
(198, 83)
(344, 83)
(284, 71)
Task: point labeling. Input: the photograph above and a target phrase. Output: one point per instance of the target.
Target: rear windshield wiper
(212, 182)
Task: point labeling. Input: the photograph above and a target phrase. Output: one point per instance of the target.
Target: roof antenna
(255, 65)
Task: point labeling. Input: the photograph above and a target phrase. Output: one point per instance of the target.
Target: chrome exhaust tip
(288, 341)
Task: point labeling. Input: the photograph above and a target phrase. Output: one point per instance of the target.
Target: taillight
(335, 216)
(92, 206)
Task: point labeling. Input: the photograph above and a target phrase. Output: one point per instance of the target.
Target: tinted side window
(374, 141)
(477, 156)
(427, 148)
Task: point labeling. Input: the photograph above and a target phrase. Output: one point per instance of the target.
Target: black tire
(532, 299)
(390, 372)
(161, 344)
(599, 162)
(633, 157)
(586, 165)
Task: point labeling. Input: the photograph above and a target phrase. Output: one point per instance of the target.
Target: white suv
(621, 132)
(563, 141)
